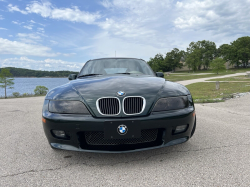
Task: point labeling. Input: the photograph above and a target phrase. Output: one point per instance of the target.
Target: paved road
(187, 82)
(217, 155)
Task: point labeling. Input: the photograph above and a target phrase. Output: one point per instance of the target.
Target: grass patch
(175, 78)
(205, 92)
(237, 78)
(233, 70)
(184, 75)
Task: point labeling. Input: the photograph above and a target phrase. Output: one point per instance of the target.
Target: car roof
(117, 58)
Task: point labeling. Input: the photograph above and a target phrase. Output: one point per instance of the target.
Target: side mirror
(159, 74)
(72, 77)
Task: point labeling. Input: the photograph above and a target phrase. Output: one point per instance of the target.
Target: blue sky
(63, 35)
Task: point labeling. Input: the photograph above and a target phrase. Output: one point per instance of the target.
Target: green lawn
(188, 76)
(237, 78)
(233, 70)
(205, 92)
(175, 78)
(181, 76)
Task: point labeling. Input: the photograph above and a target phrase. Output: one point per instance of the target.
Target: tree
(173, 59)
(207, 51)
(242, 50)
(157, 63)
(6, 80)
(193, 59)
(41, 90)
(224, 51)
(238, 52)
(218, 64)
(21, 72)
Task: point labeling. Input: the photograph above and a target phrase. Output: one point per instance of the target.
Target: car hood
(90, 89)
(109, 86)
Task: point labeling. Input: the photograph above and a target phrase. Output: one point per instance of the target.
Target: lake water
(27, 85)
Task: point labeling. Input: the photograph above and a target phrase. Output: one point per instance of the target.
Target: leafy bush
(218, 65)
(41, 90)
(26, 95)
(16, 94)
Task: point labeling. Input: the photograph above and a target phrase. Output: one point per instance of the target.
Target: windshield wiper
(88, 75)
(124, 73)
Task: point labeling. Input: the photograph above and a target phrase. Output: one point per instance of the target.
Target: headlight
(67, 107)
(190, 100)
(171, 103)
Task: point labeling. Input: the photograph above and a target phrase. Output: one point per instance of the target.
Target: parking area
(217, 155)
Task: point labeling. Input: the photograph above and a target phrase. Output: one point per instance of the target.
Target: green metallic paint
(89, 89)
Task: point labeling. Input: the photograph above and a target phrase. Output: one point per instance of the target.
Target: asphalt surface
(217, 155)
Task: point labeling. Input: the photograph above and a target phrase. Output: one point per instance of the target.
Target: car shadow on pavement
(134, 158)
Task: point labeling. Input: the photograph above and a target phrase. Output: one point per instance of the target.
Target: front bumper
(76, 125)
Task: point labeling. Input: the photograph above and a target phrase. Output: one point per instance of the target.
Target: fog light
(180, 129)
(59, 134)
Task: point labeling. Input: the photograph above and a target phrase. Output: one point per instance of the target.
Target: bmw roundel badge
(120, 93)
(122, 129)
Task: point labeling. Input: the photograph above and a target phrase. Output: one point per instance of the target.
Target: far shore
(40, 77)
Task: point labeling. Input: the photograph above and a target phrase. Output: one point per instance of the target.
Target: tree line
(199, 55)
(21, 72)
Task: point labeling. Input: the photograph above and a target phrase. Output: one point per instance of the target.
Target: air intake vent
(97, 138)
(108, 106)
(133, 105)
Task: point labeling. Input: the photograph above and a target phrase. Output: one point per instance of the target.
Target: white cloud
(32, 38)
(28, 27)
(69, 54)
(141, 28)
(46, 10)
(47, 64)
(53, 42)
(164, 25)
(138, 21)
(1, 17)
(18, 22)
(105, 46)
(1, 28)
(15, 8)
(106, 4)
(21, 48)
(218, 16)
(186, 23)
(30, 24)
(41, 30)
(15, 22)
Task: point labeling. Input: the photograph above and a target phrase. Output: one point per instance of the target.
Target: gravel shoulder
(217, 155)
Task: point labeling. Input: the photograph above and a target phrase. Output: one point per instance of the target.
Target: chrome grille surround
(133, 105)
(108, 106)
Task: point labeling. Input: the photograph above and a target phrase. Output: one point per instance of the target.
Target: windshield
(116, 66)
